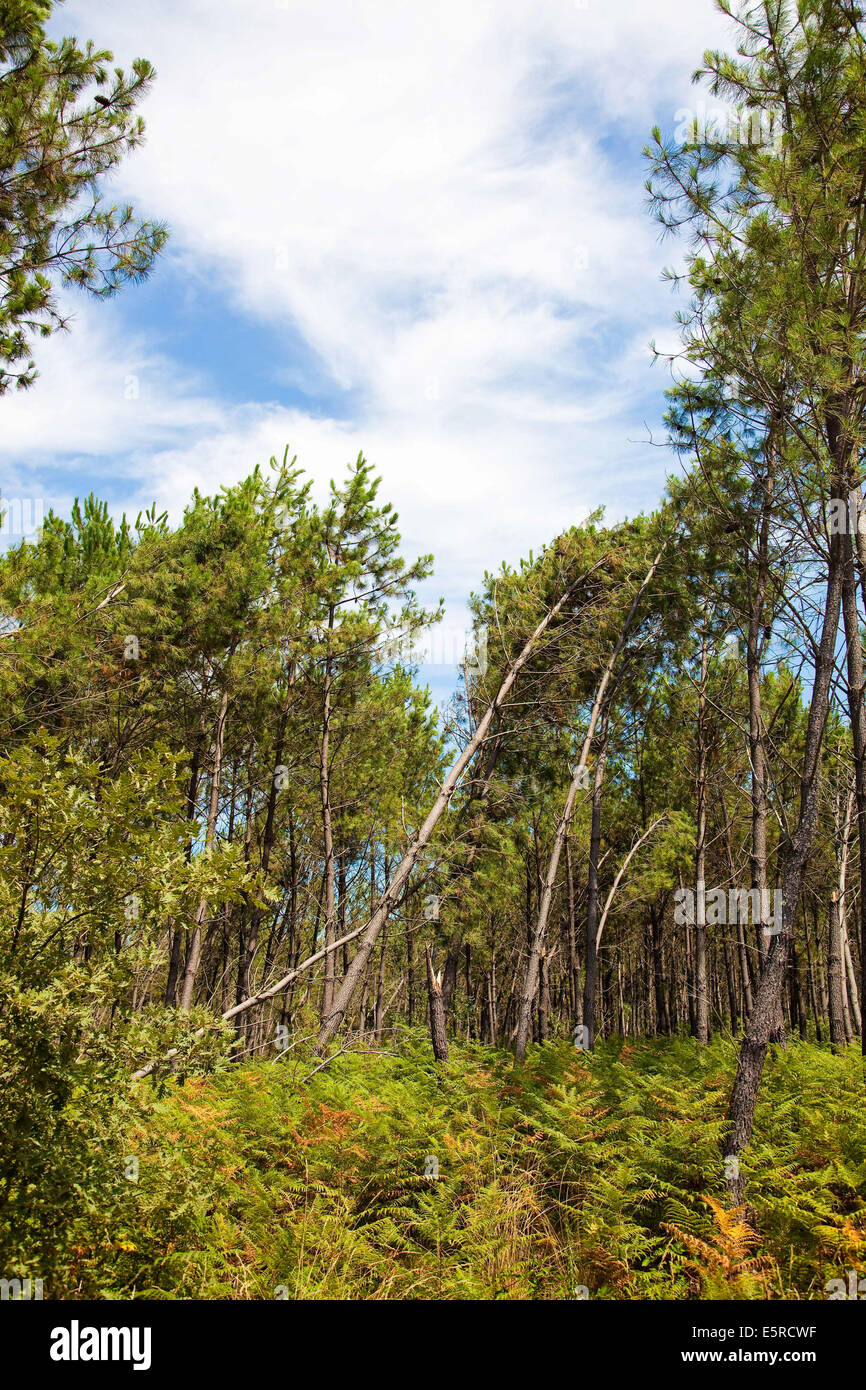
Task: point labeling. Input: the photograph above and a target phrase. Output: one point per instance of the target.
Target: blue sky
(418, 233)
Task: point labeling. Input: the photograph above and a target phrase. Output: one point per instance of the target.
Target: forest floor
(385, 1176)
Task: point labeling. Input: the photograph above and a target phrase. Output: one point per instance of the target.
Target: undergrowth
(384, 1176)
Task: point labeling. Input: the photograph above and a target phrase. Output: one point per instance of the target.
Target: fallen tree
(530, 982)
(370, 930)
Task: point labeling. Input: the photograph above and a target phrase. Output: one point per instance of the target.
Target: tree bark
(193, 960)
(374, 926)
(834, 976)
(662, 1011)
(438, 1036)
(591, 973)
(575, 992)
(765, 1012)
(702, 1018)
(530, 982)
(544, 999)
(757, 750)
(328, 836)
(856, 704)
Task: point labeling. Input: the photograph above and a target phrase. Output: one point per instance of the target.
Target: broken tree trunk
(371, 932)
(437, 1010)
(620, 872)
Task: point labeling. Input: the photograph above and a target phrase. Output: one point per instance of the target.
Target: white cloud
(102, 389)
(427, 196)
(349, 165)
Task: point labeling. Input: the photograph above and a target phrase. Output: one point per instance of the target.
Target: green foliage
(214, 753)
(603, 1171)
(59, 136)
(88, 869)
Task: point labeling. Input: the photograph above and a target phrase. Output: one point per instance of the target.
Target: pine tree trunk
(834, 976)
(662, 1008)
(530, 982)
(765, 1013)
(371, 931)
(757, 750)
(856, 704)
(591, 976)
(797, 977)
(410, 973)
(176, 942)
(438, 1036)
(702, 1026)
(544, 998)
(575, 992)
(853, 992)
(328, 841)
(193, 959)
